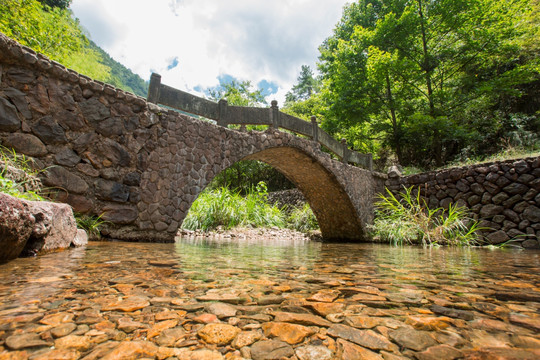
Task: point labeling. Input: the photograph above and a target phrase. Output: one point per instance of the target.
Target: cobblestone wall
(142, 166)
(504, 196)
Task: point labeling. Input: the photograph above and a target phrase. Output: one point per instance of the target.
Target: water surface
(78, 302)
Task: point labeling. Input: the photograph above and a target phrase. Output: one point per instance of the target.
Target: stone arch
(337, 216)
(323, 181)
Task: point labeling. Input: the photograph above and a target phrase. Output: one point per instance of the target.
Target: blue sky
(193, 44)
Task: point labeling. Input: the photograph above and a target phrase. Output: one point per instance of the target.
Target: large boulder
(55, 228)
(16, 225)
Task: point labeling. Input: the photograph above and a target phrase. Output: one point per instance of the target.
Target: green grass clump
(227, 209)
(91, 224)
(411, 221)
(302, 219)
(17, 176)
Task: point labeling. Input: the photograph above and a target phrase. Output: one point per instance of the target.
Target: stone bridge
(142, 166)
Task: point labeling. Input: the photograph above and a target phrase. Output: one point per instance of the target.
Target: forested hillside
(49, 28)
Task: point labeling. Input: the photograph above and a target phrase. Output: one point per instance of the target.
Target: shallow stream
(203, 298)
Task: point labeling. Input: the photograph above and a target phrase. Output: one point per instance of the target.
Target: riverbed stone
(311, 352)
(302, 319)
(439, 352)
(246, 338)
(365, 338)
(132, 350)
(412, 339)
(74, 342)
(271, 350)
(23, 341)
(350, 351)
(221, 310)
(63, 329)
(220, 334)
(128, 304)
(290, 333)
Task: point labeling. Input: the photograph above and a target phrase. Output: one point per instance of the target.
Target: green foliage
(119, 75)
(430, 80)
(91, 224)
(15, 189)
(307, 85)
(238, 93)
(243, 176)
(51, 30)
(18, 188)
(62, 4)
(227, 209)
(302, 219)
(409, 220)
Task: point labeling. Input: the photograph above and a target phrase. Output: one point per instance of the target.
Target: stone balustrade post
(370, 162)
(222, 116)
(346, 151)
(274, 113)
(315, 131)
(153, 88)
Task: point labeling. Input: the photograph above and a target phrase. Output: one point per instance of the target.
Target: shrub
(302, 219)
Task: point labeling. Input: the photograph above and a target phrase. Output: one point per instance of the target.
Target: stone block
(520, 166)
(9, 120)
(111, 190)
(67, 157)
(59, 177)
(26, 144)
(499, 198)
(531, 244)
(120, 214)
(516, 189)
(18, 98)
(532, 213)
(497, 237)
(49, 131)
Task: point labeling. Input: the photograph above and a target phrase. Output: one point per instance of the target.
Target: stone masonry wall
(109, 152)
(504, 196)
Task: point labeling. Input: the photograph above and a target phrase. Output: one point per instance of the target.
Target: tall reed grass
(408, 220)
(225, 208)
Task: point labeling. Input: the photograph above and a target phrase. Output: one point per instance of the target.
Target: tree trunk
(427, 68)
(395, 128)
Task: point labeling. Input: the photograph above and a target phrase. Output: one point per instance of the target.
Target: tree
(407, 71)
(307, 85)
(238, 93)
(243, 176)
(61, 4)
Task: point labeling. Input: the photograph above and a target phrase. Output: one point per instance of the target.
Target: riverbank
(255, 234)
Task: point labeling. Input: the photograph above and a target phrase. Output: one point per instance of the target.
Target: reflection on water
(93, 286)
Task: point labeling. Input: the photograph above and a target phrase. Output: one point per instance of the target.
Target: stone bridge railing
(224, 114)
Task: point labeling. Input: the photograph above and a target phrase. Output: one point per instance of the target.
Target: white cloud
(249, 39)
